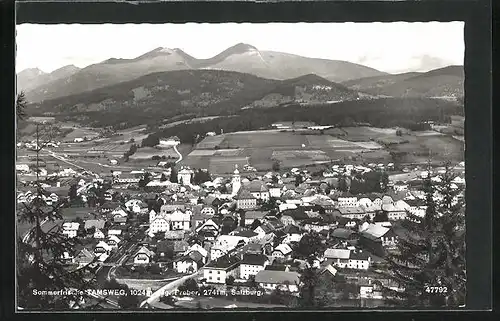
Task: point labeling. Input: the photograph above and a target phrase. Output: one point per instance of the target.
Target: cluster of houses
(250, 230)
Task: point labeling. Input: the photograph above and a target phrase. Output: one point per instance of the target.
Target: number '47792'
(436, 289)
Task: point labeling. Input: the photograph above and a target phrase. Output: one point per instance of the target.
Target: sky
(390, 47)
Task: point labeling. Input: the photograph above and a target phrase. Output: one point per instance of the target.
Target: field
(146, 153)
(291, 149)
(438, 147)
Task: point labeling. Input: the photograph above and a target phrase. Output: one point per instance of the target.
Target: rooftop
(277, 277)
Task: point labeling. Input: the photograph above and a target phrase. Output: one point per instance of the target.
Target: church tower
(236, 180)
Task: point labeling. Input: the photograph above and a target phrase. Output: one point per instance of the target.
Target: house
(70, 229)
(189, 263)
(251, 216)
(211, 226)
(122, 220)
(170, 208)
(263, 230)
(347, 201)
(226, 243)
(143, 256)
(180, 220)
(84, 257)
(245, 233)
(97, 224)
(177, 235)
(293, 234)
(258, 190)
(113, 241)
(275, 192)
(394, 212)
(196, 248)
(282, 251)
(208, 210)
(245, 200)
(417, 207)
(169, 142)
(102, 248)
(119, 212)
(343, 234)
(114, 230)
(185, 175)
(287, 220)
(400, 187)
(337, 257)
(251, 264)
(351, 212)
(286, 281)
(218, 270)
(359, 260)
(99, 234)
(180, 246)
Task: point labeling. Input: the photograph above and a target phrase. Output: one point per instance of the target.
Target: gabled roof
(247, 233)
(180, 246)
(254, 259)
(144, 250)
(351, 210)
(292, 229)
(98, 224)
(284, 248)
(85, 252)
(359, 255)
(277, 277)
(296, 214)
(225, 262)
(341, 233)
(256, 215)
(337, 254)
(244, 194)
(275, 267)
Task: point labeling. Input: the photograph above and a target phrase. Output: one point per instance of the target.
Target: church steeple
(236, 180)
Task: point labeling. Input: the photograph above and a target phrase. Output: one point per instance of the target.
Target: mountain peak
(242, 47)
(32, 72)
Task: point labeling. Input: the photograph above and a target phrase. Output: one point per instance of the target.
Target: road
(170, 287)
(180, 155)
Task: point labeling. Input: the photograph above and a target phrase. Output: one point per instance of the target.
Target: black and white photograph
(244, 166)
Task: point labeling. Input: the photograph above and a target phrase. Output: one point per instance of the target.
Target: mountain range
(442, 82)
(32, 78)
(242, 58)
(199, 92)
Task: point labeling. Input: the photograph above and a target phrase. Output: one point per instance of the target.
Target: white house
(22, 167)
(159, 224)
(224, 244)
(143, 256)
(119, 212)
(252, 264)
(359, 260)
(169, 142)
(338, 257)
(186, 265)
(98, 234)
(348, 201)
(282, 251)
(185, 175)
(113, 241)
(218, 270)
(275, 192)
(180, 220)
(70, 229)
(286, 281)
(102, 248)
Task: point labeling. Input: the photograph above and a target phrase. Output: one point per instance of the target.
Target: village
(186, 238)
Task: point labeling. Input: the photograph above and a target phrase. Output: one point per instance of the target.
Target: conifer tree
(41, 265)
(428, 266)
